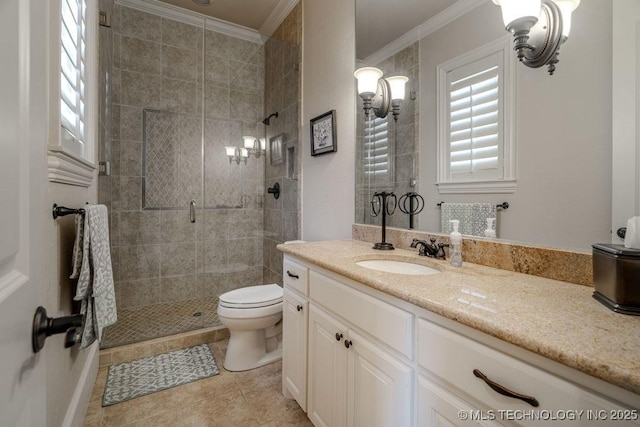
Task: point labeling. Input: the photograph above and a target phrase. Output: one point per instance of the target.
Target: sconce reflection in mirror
(255, 146)
(236, 154)
(380, 94)
(539, 28)
(252, 146)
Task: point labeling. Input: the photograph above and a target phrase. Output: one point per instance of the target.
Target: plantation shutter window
(376, 147)
(73, 75)
(474, 134)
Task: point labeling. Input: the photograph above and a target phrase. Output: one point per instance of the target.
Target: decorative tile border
(556, 264)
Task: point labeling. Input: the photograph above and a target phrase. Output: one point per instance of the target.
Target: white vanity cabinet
(364, 358)
(353, 381)
(295, 318)
(507, 390)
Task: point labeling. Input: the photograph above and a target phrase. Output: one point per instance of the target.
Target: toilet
(253, 316)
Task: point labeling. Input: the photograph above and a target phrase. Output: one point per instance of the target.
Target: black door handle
(44, 327)
(294, 276)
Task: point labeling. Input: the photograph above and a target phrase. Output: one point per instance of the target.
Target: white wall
(563, 131)
(328, 58)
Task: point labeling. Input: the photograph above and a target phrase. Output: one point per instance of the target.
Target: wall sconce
(255, 146)
(397, 84)
(539, 27)
(379, 94)
(236, 154)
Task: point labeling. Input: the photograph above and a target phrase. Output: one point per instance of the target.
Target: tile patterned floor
(160, 320)
(246, 399)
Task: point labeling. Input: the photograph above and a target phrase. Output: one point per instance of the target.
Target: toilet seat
(252, 297)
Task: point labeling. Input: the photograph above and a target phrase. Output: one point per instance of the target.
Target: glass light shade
(249, 142)
(263, 144)
(231, 151)
(244, 153)
(566, 8)
(397, 84)
(513, 10)
(367, 79)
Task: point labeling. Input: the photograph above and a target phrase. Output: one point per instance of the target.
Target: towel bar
(504, 205)
(63, 211)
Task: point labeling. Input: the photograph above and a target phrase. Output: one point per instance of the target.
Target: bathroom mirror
(562, 124)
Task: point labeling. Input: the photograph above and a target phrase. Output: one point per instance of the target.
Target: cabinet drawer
(453, 358)
(387, 323)
(295, 276)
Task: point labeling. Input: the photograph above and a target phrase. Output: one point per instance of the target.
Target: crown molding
(278, 15)
(433, 24)
(175, 13)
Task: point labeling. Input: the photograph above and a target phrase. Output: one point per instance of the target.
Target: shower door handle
(192, 211)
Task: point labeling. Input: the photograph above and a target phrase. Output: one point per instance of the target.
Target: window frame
(506, 181)
(65, 164)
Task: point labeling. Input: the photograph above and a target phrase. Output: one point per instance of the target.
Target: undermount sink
(397, 267)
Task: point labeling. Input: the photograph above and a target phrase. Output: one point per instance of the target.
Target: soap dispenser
(490, 231)
(455, 239)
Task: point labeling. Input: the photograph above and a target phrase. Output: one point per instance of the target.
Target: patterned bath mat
(140, 377)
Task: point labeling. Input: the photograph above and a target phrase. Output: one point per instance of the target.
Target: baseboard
(77, 408)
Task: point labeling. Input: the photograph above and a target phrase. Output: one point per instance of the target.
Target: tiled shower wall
(282, 94)
(210, 87)
(403, 142)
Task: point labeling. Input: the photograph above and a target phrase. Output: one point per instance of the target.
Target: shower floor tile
(160, 320)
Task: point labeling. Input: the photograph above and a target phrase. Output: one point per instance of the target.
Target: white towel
(472, 217)
(95, 287)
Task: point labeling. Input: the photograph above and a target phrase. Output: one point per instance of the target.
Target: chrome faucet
(431, 249)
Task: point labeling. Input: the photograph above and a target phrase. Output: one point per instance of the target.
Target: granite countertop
(558, 320)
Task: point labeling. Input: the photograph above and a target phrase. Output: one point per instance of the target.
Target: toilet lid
(252, 296)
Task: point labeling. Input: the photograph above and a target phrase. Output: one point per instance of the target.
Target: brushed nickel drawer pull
(505, 391)
(294, 276)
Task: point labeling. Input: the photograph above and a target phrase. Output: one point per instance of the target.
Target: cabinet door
(294, 347)
(440, 408)
(327, 370)
(379, 386)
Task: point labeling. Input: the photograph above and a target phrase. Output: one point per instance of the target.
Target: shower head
(267, 121)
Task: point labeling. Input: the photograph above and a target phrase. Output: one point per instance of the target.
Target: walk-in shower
(186, 224)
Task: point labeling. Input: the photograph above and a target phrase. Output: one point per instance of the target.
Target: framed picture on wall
(323, 134)
(275, 150)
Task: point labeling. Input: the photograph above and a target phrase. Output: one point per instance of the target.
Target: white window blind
(475, 144)
(475, 119)
(376, 147)
(73, 74)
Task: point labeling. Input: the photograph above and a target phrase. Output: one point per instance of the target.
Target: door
(379, 387)
(23, 184)
(294, 346)
(327, 370)
(626, 112)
